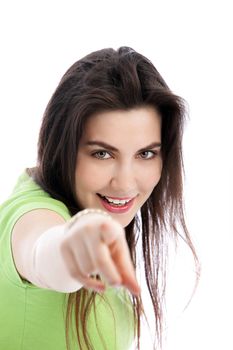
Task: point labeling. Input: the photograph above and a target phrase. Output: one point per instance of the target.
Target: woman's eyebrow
(151, 146)
(112, 148)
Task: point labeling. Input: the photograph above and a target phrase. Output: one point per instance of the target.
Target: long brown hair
(117, 80)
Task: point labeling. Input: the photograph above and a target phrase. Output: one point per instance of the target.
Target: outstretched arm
(64, 256)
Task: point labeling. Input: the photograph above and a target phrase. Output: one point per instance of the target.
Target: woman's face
(119, 161)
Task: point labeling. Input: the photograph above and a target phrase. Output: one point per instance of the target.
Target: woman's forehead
(119, 129)
(126, 121)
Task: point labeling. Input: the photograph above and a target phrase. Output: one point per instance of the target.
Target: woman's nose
(123, 180)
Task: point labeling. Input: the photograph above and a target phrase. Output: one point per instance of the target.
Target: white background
(190, 43)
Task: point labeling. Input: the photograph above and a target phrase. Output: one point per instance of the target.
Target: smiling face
(119, 161)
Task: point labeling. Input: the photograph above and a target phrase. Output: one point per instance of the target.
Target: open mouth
(115, 202)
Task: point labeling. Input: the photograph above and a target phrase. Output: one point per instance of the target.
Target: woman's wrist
(49, 269)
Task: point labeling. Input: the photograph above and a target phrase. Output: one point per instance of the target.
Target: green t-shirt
(33, 318)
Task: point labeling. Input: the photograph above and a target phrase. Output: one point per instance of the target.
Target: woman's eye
(148, 154)
(101, 155)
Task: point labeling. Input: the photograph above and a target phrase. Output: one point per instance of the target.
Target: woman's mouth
(116, 205)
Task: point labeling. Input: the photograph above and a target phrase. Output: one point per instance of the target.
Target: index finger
(120, 255)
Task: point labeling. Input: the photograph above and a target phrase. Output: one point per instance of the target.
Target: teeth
(117, 201)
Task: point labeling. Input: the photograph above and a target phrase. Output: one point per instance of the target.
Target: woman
(109, 168)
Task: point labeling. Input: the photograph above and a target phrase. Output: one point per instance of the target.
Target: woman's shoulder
(28, 195)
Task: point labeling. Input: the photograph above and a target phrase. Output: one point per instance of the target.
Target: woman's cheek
(95, 176)
(150, 176)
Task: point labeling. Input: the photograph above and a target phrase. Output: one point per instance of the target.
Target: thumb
(111, 232)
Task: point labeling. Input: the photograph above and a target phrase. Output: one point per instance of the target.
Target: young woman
(109, 169)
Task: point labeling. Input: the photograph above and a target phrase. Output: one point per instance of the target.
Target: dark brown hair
(117, 80)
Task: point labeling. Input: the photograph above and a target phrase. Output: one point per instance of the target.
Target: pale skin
(119, 157)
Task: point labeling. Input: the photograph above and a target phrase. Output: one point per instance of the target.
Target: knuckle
(81, 228)
(84, 229)
(89, 228)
